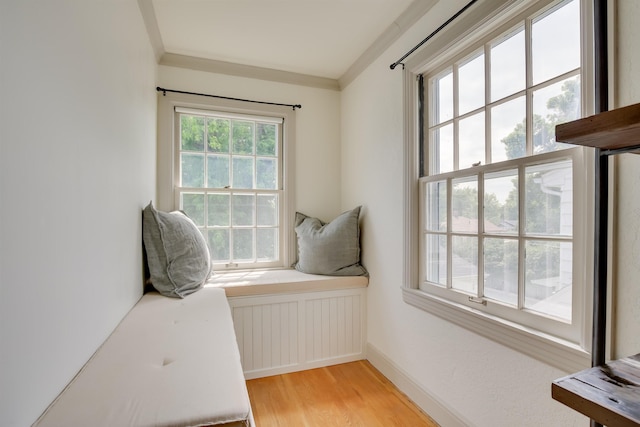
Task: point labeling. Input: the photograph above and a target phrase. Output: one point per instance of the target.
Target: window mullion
(449, 236)
(254, 154)
(529, 83)
(529, 152)
(255, 220)
(521, 232)
(456, 119)
(280, 153)
(488, 160)
(231, 227)
(206, 174)
(480, 236)
(456, 145)
(487, 103)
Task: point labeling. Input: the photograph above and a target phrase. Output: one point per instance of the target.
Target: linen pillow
(331, 249)
(177, 253)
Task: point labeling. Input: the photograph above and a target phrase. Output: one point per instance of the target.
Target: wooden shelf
(612, 130)
(608, 394)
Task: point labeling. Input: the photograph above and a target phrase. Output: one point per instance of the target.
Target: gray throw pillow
(331, 249)
(177, 253)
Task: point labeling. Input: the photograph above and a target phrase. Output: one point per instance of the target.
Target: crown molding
(416, 10)
(150, 22)
(249, 71)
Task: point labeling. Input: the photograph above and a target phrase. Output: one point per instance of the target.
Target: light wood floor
(351, 394)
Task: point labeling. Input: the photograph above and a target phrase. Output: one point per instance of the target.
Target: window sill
(558, 353)
(282, 281)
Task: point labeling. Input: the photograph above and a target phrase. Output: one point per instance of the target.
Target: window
(226, 168)
(229, 184)
(502, 210)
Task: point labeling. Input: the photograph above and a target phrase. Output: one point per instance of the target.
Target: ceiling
(321, 38)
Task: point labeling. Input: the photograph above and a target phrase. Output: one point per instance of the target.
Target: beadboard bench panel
(287, 321)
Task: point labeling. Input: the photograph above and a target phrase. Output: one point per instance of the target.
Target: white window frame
(565, 348)
(168, 164)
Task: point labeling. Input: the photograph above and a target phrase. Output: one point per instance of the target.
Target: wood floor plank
(351, 394)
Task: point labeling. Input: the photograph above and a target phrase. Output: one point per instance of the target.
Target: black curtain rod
(164, 93)
(458, 13)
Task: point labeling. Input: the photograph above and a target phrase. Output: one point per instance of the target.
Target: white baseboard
(259, 373)
(444, 416)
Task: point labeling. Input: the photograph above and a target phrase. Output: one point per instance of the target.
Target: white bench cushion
(170, 362)
(269, 282)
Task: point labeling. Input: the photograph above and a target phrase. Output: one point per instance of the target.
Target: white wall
(480, 382)
(627, 255)
(77, 165)
(317, 159)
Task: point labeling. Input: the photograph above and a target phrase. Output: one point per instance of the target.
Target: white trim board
(552, 351)
(240, 70)
(151, 24)
(437, 410)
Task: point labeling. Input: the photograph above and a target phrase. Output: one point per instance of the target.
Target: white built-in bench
(288, 321)
(179, 362)
(170, 362)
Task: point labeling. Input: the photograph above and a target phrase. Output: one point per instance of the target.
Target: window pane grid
(229, 184)
(238, 154)
(507, 73)
(222, 217)
(480, 245)
(448, 138)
